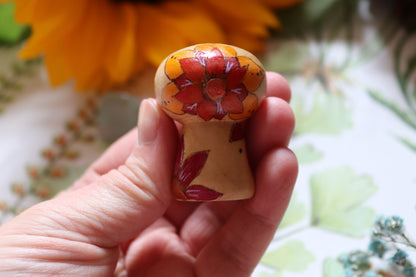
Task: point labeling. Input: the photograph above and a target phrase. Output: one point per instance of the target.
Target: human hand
(120, 216)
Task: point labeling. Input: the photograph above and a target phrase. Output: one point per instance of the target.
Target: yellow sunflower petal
(120, 55)
(249, 107)
(24, 10)
(50, 33)
(81, 47)
(103, 42)
(57, 68)
(254, 75)
(192, 23)
(245, 26)
(173, 67)
(32, 11)
(168, 101)
(86, 46)
(155, 34)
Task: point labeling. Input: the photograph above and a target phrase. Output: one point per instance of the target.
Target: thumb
(121, 203)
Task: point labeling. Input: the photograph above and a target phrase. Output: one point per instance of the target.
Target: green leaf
(304, 15)
(10, 31)
(333, 268)
(307, 154)
(406, 115)
(291, 256)
(408, 143)
(295, 212)
(327, 114)
(337, 196)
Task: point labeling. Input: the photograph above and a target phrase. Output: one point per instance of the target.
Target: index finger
(238, 246)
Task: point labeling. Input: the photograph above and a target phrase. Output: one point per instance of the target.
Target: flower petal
(168, 100)
(234, 77)
(58, 72)
(173, 67)
(240, 91)
(215, 63)
(191, 168)
(201, 58)
(121, 55)
(207, 109)
(153, 30)
(226, 50)
(193, 69)
(178, 191)
(191, 109)
(249, 107)
(201, 193)
(231, 64)
(191, 22)
(254, 76)
(231, 103)
(238, 131)
(182, 81)
(220, 112)
(190, 94)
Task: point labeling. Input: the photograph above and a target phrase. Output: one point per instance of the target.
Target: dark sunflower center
(138, 1)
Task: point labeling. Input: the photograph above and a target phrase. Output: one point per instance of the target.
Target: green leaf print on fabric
(332, 268)
(404, 68)
(327, 114)
(291, 256)
(307, 154)
(296, 211)
(404, 114)
(337, 198)
(408, 143)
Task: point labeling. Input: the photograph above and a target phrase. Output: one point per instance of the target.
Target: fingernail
(148, 121)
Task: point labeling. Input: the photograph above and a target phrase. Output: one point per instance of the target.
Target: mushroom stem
(224, 170)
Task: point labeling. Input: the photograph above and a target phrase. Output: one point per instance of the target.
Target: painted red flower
(211, 81)
(186, 171)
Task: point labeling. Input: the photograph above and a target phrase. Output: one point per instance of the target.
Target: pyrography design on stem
(186, 171)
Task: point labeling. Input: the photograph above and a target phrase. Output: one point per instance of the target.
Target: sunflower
(105, 43)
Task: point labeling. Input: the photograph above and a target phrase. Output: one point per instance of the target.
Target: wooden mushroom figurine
(212, 89)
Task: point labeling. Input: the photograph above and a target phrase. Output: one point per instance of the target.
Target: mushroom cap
(210, 82)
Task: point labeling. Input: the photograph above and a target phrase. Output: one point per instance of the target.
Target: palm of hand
(120, 217)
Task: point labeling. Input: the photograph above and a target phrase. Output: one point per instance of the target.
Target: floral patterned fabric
(353, 76)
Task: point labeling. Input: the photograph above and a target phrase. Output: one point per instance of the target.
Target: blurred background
(72, 74)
